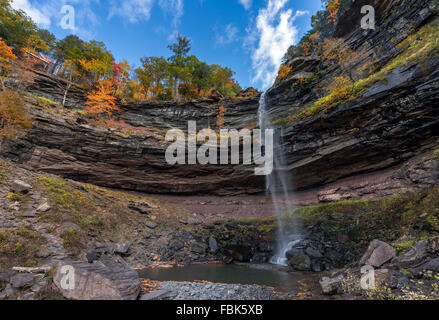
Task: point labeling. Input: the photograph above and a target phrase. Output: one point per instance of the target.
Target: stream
(263, 274)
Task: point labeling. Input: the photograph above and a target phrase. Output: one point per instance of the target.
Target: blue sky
(249, 36)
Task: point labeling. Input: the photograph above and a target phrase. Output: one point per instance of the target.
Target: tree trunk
(66, 91)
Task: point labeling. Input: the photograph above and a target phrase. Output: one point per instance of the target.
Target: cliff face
(391, 122)
(67, 147)
(373, 145)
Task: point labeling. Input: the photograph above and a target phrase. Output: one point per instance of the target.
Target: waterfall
(278, 184)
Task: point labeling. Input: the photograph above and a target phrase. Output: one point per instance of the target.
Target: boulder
(22, 280)
(19, 186)
(313, 253)
(122, 247)
(331, 286)
(378, 254)
(298, 260)
(415, 255)
(8, 293)
(199, 248)
(213, 245)
(432, 265)
(106, 279)
(6, 276)
(155, 295)
(141, 207)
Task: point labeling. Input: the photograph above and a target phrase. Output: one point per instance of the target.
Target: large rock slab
(298, 260)
(106, 279)
(415, 255)
(19, 186)
(378, 254)
(331, 286)
(22, 280)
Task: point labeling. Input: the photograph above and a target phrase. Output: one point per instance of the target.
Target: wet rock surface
(200, 291)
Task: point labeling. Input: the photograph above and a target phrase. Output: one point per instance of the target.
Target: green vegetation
(79, 210)
(386, 219)
(433, 158)
(73, 241)
(4, 171)
(19, 247)
(89, 64)
(416, 48)
(47, 101)
(183, 77)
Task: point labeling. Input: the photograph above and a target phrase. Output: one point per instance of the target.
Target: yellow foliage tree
(340, 52)
(284, 71)
(312, 43)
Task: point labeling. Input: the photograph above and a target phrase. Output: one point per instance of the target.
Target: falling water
(278, 184)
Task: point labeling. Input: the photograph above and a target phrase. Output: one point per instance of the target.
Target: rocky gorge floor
(47, 222)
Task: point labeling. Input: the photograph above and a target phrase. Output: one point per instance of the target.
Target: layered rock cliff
(372, 145)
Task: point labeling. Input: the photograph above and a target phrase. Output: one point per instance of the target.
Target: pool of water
(230, 274)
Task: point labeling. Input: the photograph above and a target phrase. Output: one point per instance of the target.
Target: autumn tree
(332, 10)
(6, 58)
(96, 62)
(24, 70)
(19, 31)
(284, 71)
(101, 100)
(12, 116)
(153, 74)
(340, 52)
(220, 122)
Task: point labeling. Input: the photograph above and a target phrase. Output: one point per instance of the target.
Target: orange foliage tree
(101, 100)
(6, 58)
(220, 122)
(12, 116)
(333, 9)
(284, 71)
(340, 52)
(311, 43)
(24, 69)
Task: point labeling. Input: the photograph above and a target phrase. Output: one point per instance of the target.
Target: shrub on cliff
(13, 116)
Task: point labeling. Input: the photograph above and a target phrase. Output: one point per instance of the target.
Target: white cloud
(133, 10)
(227, 35)
(140, 10)
(246, 3)
(37, 16)
(300, 13)
(173, 7)
(269, 38)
